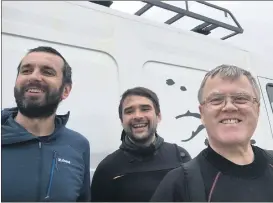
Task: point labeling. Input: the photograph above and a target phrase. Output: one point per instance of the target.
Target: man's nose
(138, 114)
(35, 75)
(229, 105)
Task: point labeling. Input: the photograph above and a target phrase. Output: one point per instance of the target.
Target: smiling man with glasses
(230, 168)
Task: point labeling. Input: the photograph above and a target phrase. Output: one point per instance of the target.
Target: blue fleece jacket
(50, 168)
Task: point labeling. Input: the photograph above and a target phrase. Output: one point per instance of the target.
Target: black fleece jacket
(224, 181)
(132, 173)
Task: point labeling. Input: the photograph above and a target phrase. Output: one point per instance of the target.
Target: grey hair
(229, 72)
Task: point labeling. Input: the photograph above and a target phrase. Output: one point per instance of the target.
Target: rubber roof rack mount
(208, 24)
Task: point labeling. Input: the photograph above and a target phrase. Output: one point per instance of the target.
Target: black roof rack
(103, 3)
(208, 24)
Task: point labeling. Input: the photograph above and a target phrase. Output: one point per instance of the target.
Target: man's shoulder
(174, 145)
(182, 151)
(112, 159)
(75, 138)
(175, 176)
(268, 152)
(74, 133)
(111, 163)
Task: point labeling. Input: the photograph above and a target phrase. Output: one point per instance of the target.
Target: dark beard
(32, 109)
(140, 141)
(151, 132)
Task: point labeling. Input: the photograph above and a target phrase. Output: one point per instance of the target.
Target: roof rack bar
(228, 36)
(187, 5)
(222, 9)
(210, 28)
(204, 28)
(174, 18)
(103, 3)
(200, 27)
(207, 25)
(193, 15)
(143, 9)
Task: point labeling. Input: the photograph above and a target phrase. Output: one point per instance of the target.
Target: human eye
(128, 111)
(48, 71)
(242, 99)
(145, 108)
(25, 71)
(216, 100)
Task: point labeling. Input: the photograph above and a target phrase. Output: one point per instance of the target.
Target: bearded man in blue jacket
(42, 160)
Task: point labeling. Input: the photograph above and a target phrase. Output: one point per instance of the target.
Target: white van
(109, 52)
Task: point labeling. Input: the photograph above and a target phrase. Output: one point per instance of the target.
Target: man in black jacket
(133, 172)
(42, 160)
(231, 169)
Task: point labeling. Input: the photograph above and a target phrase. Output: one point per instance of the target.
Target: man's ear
(258, 109)
(66, 91)
(201, 114)
(159, 117)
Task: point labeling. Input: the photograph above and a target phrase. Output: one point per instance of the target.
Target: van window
(269, 89)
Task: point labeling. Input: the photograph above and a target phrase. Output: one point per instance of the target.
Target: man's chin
(233, 140)
(141, 138)
(37, 111)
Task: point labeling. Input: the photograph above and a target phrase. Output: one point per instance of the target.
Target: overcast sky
(255, 17)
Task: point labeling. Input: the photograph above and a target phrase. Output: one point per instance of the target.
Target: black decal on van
(199, 128)
(183, 88)
(187, 114)
(170, 82)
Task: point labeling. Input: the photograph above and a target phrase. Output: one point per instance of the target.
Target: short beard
(143, 140)
(31, 109)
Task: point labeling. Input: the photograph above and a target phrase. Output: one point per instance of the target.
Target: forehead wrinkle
(48, 59)
(137, 106)
(243, 81)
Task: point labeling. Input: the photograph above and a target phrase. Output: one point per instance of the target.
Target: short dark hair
(140, 91)
(67, 70)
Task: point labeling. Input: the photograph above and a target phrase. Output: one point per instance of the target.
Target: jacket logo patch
(117, 177)
(63, 161)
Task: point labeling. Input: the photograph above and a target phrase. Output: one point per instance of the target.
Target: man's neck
(146, 144)
(239, 154)
(36, 126)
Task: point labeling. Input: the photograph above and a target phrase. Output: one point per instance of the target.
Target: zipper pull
(47, 198)
(56, 160)
(40, 145)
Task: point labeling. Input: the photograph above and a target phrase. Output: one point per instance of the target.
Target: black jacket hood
(13, 133)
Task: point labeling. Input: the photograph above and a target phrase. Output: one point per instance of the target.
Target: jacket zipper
(39, 172)
(53, 166)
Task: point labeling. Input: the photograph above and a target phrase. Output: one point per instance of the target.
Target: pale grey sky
(256, 18)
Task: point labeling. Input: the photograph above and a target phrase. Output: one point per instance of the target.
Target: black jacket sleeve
(102, 188)
(184, 154)
(171, 188)
(85, 190)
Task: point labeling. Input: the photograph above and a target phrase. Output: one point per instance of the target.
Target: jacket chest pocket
(65, 177)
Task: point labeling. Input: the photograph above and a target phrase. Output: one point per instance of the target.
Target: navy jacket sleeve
(85, 195)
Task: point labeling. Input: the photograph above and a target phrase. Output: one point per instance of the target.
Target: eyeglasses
(219, 101)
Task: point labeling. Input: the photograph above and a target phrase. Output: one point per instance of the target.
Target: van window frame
(270, 96)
